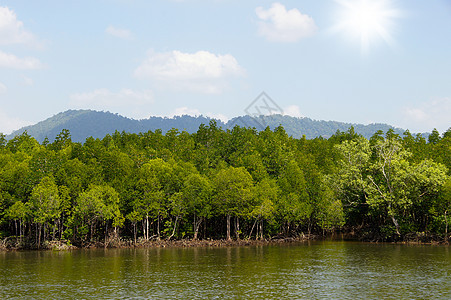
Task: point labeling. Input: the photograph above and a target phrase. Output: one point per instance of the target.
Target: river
(314, 270)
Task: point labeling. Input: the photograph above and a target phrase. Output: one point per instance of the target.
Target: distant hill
(86, 123)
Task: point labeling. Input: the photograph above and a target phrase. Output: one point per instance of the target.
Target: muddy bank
(218, 243)
(11, 244)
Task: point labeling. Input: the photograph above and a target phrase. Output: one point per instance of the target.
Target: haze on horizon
(356, 61)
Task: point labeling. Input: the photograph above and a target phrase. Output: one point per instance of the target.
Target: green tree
(99, 204)
(197, 192)
(294, 205)
(45, 204)
(21, 212)
(234, 192)
(434, 137)
(267, 193)
(2, 140)
(382, 177)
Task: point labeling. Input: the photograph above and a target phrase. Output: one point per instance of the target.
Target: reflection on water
(311, 270)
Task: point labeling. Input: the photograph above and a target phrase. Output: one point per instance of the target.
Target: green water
(319, 270)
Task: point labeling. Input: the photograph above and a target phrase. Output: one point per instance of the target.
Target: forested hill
(86, 123)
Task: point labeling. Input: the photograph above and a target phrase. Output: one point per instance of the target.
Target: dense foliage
(238, 183)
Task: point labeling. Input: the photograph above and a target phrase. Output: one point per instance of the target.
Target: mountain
(86, 123)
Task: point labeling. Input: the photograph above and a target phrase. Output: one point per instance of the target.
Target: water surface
(318, 270)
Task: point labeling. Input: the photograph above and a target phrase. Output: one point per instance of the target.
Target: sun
(367, 21)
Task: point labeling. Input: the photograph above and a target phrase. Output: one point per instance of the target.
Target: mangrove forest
(223, 184)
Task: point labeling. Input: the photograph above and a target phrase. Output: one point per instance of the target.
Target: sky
(357, 61)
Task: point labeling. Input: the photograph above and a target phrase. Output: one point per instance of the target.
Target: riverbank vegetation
(215, 184)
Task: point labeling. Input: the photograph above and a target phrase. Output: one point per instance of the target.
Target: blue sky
(358, 61)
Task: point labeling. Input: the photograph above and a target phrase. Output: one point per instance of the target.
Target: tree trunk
(194, 227)
(395, 222)
(20, 230)
(61, 227)
(173, 230)
(237, 228)
(261, 229)
(106, 234)
(54, 227)
(197, 224)
(205, 229)
(39, 235)
(228, 227)
(147, 227)
(252, 230)
(134, 231)
(158, 227)
(446, 227)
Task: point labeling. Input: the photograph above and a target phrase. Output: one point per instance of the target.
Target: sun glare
(367, 21)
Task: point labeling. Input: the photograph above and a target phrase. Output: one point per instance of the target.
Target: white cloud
(180, 111)
(132, 103)
(119, 32)
(428, 115)
(3, 88)
(221, 117)
(202, 71)
(12, 30)
(293, 111)
(277, 24)
(9, 124)
(11, 61)
(27, 80)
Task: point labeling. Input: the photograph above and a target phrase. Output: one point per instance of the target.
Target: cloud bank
(180, 111)
(293, 111)
(277, 24)
(13, 62)
(434, 113)
(12, 31)
(202, 71)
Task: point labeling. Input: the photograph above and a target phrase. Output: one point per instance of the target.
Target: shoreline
(208, 243)
(163, 243)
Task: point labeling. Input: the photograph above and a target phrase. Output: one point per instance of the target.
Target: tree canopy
(216, 183)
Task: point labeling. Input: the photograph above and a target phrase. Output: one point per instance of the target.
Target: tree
(155, 184)
(62, 140)
(148, 201)
(99, 203)
(444, 207)
(328, 209)
(2, 140)
(294, 205)
(350, 181)
(434, 137)
(233, 188)
(22, 143)
(383, 178)
(196, 193)
(19, 211)
(45, 203)
(267, 193)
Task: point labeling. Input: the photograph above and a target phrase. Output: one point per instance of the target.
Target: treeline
(217, 184)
